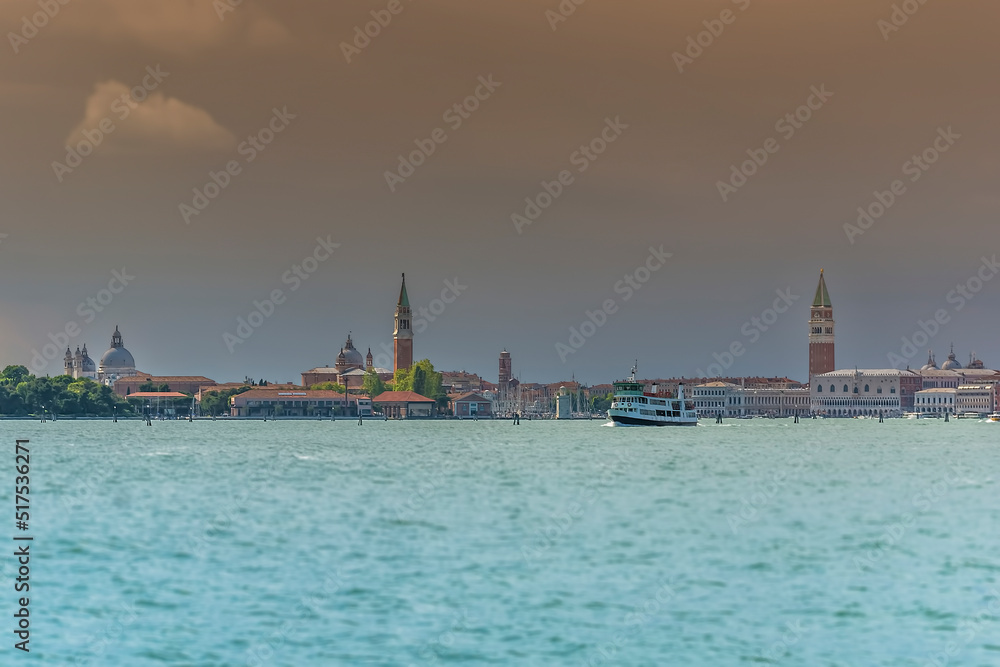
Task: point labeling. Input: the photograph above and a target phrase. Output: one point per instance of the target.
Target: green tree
(147, 386)
(14, 375)
(373, 385)
(217, 402)
(329, 386)
(402, 380)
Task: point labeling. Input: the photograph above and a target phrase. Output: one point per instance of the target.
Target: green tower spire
(404, 300)
(822, 299)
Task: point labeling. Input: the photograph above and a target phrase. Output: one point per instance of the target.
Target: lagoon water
(830, 542)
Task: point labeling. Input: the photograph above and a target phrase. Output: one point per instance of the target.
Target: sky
(175, 162)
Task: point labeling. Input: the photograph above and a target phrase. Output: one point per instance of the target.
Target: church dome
(117, 357)
(952, 364)
(931, 365)
(351, 356)
(88, 364)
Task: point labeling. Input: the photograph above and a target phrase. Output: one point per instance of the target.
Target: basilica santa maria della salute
(115, 364)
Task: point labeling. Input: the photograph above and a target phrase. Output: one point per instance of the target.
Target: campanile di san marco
(821, 335)
(403, 335)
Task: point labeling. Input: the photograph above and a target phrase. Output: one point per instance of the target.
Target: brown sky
(657, 184)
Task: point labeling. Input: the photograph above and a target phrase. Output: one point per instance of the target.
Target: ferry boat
(633, 406)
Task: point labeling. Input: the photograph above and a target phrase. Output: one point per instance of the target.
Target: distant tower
(403, 335)
(821, 335)
(369, 361)
(505, 367)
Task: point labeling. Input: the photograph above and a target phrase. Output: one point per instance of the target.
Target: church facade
(115, 364)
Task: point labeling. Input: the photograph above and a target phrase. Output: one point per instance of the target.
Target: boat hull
(638, 421)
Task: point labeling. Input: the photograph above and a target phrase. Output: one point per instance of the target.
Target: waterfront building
(821, 332)
(267, 403)
(732, 400)
(472, 405)
(403, 335)
(460, 382)
(775, 402)
(712, 398)
(978, 398)
(850, 393)
(349, 370)
(79, 365)
(564, 404)
(404, 404)
(935, 401)
(940, 379)
(187, 384)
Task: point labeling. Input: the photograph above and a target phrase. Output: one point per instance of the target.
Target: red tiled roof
(472, 396)
(401, 397)
(168, 378)
(157, 394)
(288, 394)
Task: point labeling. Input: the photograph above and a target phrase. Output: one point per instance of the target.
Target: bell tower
(403, 335)
(821, 336)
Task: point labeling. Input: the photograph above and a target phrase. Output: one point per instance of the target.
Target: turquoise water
(830, 542)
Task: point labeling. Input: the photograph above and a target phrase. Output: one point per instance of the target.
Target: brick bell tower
(403, 335)
(821, 337)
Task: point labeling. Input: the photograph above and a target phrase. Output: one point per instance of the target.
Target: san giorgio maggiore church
(116, 363)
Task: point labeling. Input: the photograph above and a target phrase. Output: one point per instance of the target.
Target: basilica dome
(349, 356)
(931, 365)
(117, 358)
(952, 364)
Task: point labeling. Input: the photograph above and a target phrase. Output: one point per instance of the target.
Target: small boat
(995, 417)
(633, 406)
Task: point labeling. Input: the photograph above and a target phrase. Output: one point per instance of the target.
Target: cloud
(156, 125)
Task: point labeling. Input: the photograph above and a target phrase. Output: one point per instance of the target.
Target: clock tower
(821, 335)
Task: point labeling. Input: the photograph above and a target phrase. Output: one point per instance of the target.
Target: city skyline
(552, 167)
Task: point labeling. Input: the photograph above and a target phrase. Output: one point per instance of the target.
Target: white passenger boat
(995, 417)
(633, 406)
